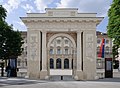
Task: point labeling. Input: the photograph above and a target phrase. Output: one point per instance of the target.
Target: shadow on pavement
(16, 81)
(108, 80)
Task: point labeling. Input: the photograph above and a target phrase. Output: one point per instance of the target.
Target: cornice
(97, 20)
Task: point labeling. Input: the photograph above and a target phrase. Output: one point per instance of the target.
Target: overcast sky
(19, 8)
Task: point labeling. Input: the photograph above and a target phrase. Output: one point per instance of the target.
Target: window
(66, 41)
(58, 51)
(107, 49)
(25, 62)
(58, 63)
(66, 64)
(98, 49)
(58, 41)
(98, 41)
(66, 51)
(107, 41)
(51, 51)
(51, 63)
(18, 62)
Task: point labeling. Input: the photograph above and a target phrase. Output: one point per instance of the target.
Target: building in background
(22, 60)
(104, 48)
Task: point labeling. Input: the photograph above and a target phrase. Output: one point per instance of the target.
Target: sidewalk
(27, 83)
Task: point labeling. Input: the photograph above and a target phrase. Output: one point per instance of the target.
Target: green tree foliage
(2, 13)
(113, 28)
(10, 40)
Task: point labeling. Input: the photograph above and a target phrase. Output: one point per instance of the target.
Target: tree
(113, 28)
(13, 43)
(3, 26)
(10, 40)
(2, 13)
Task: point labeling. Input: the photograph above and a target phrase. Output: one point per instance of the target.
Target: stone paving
(27, 83)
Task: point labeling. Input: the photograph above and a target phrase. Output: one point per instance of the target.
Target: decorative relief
(89, 45)
(33, 46)
(50, 13)
(72, 34)
(61, 13)
(89, 38)
(60, 25)
(72, 13)
(33, 38)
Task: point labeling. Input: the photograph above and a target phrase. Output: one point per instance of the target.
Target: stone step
(60, 78)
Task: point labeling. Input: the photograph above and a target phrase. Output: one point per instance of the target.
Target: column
(44, 57)
(78, 51)
(62, 63)
(70, 63)
(55, 63)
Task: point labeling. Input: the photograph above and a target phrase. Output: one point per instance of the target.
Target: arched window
(66, 41)
(58, 63)
(58, 41)
(66, 51)
(66, 64)
(51, 63)
(107, 41)
(58, 51)
(51, 51)
(107, 50)
(98, 41)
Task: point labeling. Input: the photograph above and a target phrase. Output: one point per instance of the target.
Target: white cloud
(42, 4)
(28, 8)
(12, 4)
(20, 23)
(96, 6)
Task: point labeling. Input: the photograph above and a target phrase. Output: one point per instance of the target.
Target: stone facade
(79, 28)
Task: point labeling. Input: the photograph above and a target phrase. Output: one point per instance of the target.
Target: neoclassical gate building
(61, 41)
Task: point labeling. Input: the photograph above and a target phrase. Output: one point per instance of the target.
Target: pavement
(28, 83)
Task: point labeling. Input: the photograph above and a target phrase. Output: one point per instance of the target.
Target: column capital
(43, 31)
(78, 31)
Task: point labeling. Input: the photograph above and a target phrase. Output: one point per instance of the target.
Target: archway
(62, 48)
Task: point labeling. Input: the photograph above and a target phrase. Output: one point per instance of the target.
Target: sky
(19, 8)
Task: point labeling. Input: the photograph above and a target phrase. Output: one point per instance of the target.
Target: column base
(79, 75)
(44, 74)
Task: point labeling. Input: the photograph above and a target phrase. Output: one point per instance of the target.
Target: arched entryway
(61, 52)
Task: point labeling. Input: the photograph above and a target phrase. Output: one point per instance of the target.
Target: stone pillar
(78, 51)
(54, 63)
(79, 72)
(44, 58)
(43, 74)
(33, 54)
(70, 63)
(62, 63)
(89, 55)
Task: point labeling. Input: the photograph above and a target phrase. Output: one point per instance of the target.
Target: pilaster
(44, 72)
